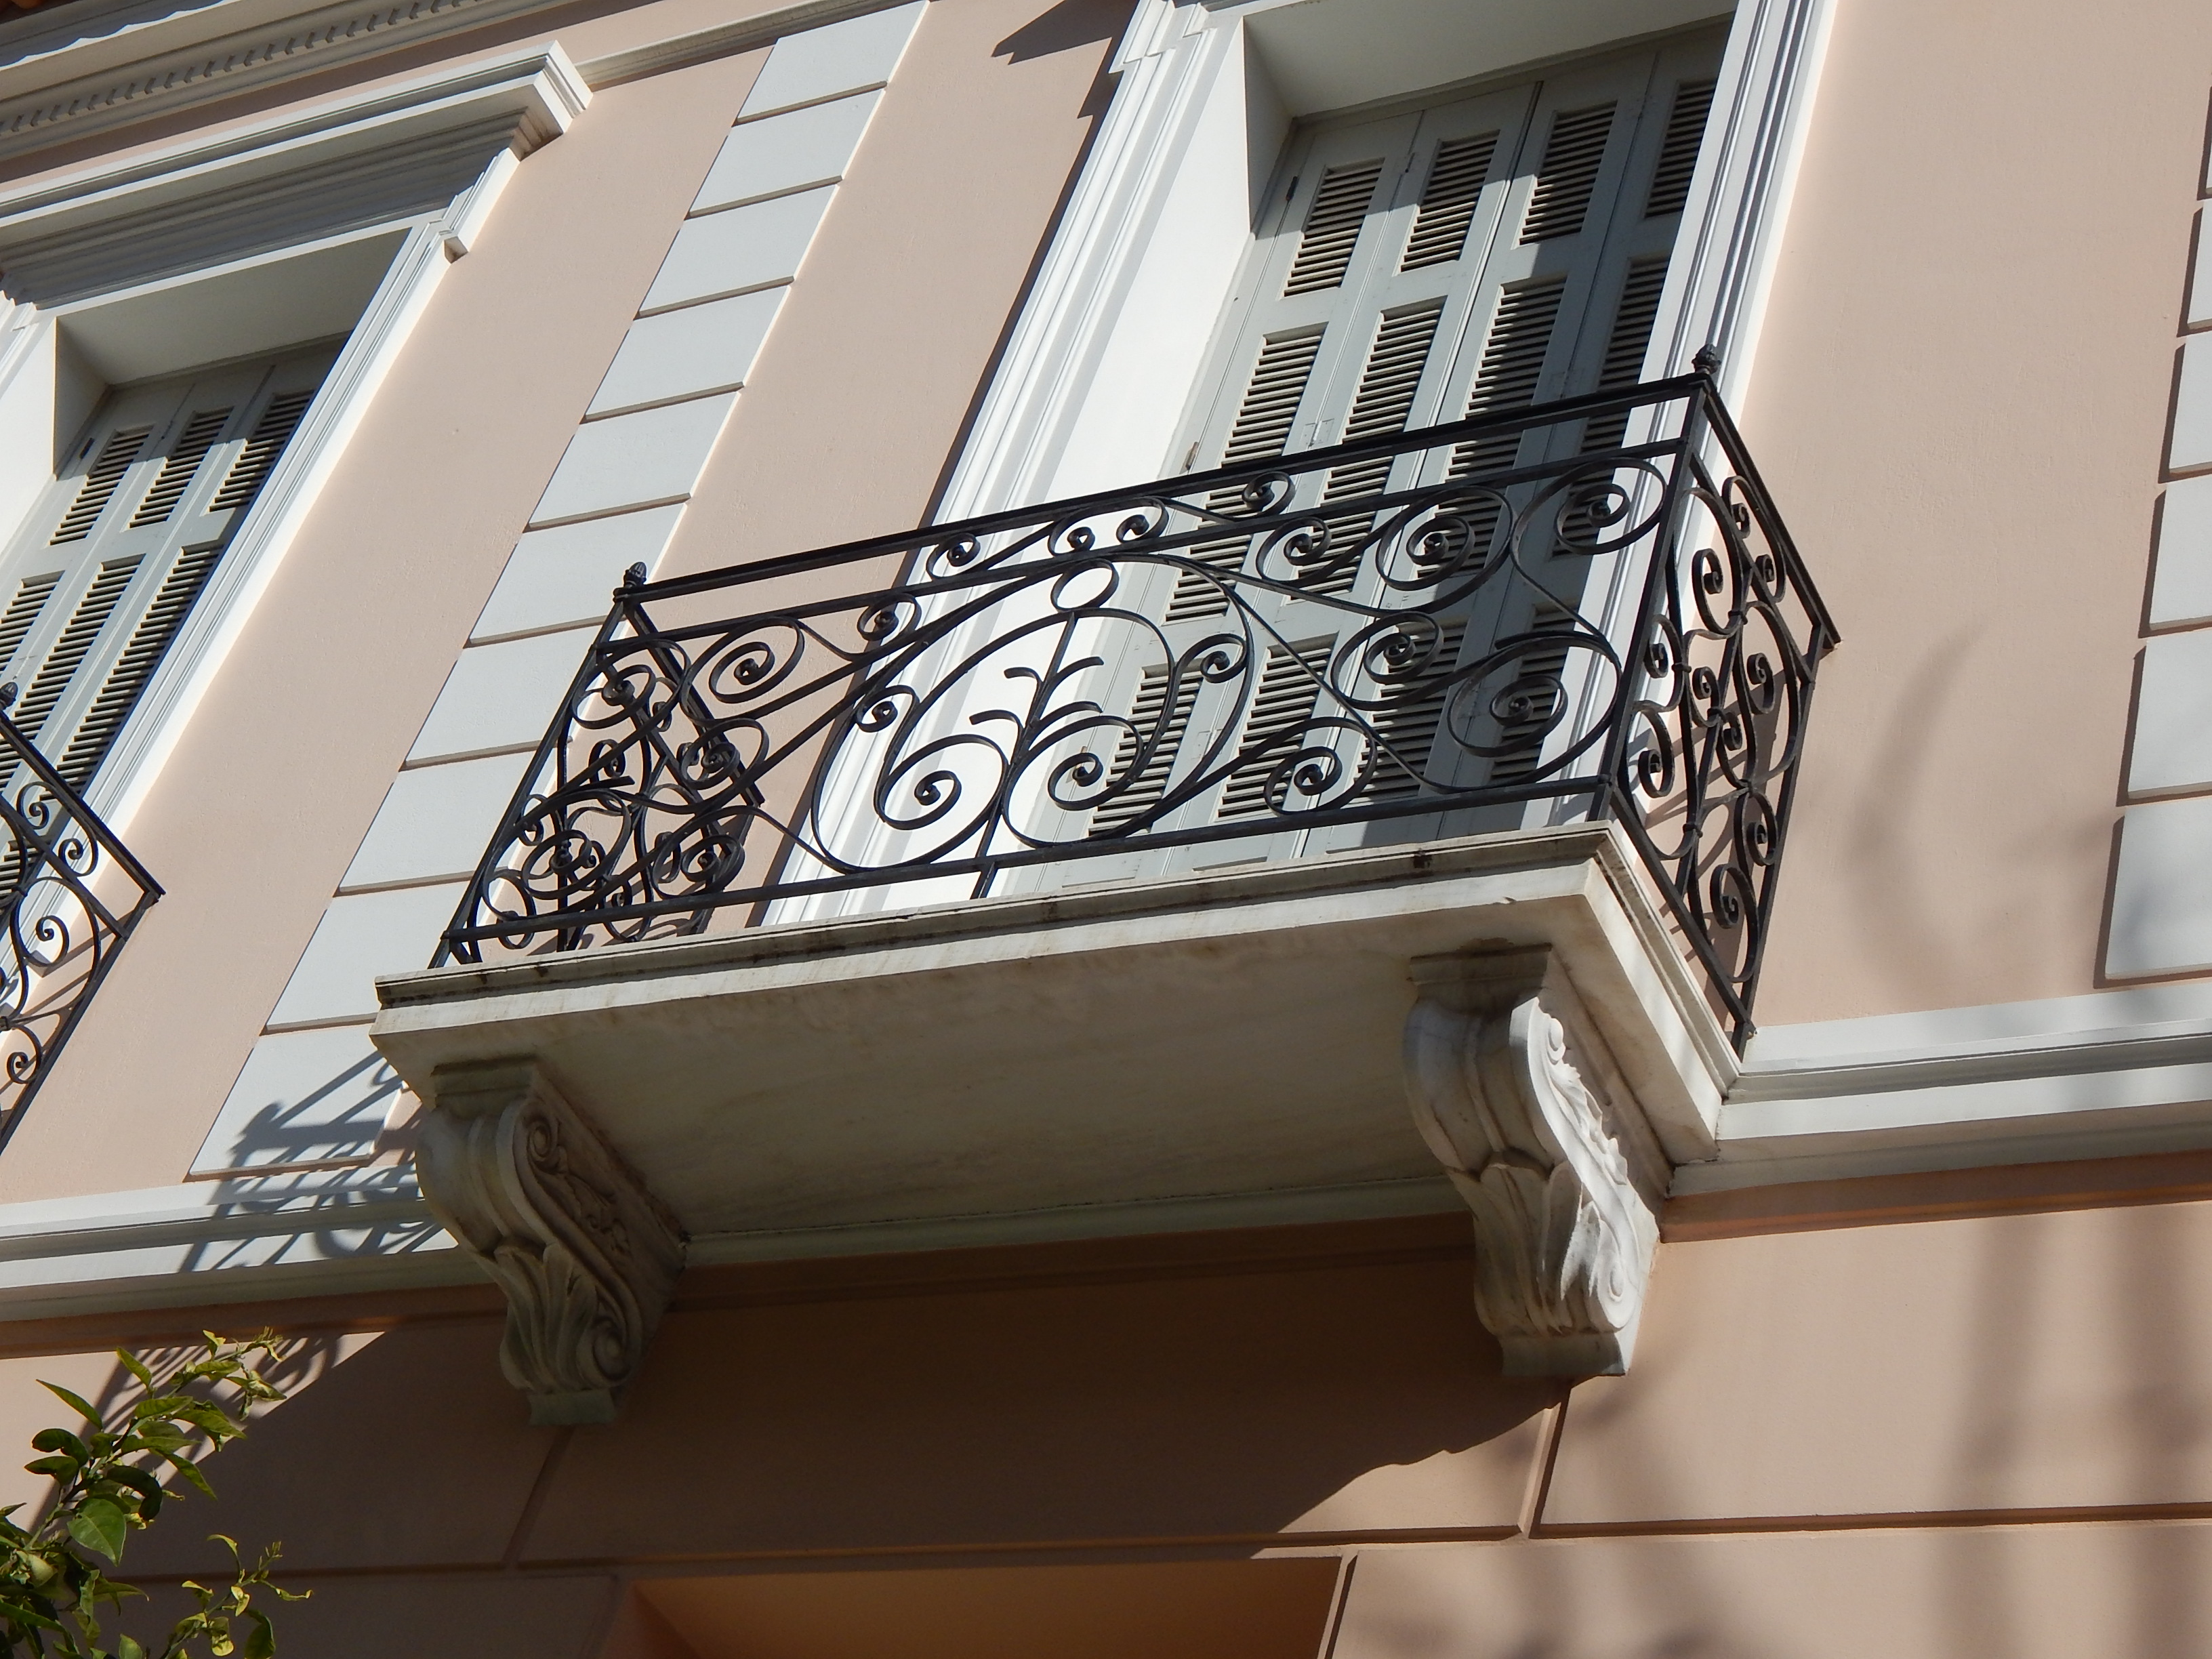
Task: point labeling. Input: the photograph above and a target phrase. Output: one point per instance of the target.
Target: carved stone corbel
(1514, 1091)
(587, 1257)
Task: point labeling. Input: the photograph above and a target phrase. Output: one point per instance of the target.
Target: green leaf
(191, 1471)
(131, 1363)
(161, 1405)
(261, 1640)
(61, 1440)
(60, 1468)
(99, 1525)
(76, 1402)
(163, 1437)
(213, 1418)
(147, 1488)
(125, 1648)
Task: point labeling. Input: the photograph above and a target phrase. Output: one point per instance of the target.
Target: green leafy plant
(109, 1474)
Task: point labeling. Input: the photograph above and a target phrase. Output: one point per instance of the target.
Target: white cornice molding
(219, 50)
(158, 59)
(536, 92)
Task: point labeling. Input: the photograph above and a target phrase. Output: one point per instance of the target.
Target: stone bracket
(1515, 1093)
(586, 1257)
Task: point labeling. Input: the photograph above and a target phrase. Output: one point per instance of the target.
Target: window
(1474, 255)
(108, 566)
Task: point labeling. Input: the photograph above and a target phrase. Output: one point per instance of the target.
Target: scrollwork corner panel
(586, 1257)
(1512, 1088)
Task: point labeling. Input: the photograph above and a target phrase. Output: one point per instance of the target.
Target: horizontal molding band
(2111, 1074)
(154, 60)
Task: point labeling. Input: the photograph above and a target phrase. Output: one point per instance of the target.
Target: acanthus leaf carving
(1512, 1088)
(586, 1257)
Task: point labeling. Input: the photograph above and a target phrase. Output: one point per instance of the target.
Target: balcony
(1131, 862)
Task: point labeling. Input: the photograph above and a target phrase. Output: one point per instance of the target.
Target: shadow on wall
(1238, 1407)
(1065, 26)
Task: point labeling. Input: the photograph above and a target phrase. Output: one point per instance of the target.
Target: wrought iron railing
(71, 895)
(1588, 609)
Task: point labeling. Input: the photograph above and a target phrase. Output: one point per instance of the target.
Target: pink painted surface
(1959, 402)
(2020, 1363)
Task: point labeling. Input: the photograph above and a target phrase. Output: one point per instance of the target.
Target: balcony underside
(1205, 1037)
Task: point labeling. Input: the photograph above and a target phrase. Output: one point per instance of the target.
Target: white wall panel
(2182, 591)
(303, 1097)
(435, 821)
(2162, 890)
(2173, 748)
(750, 246)
(642, 460)
(847, 56)
(565, 575)
(687, 353)
(2191, 447)
(503, 696)
(360, 937)
(787, 152)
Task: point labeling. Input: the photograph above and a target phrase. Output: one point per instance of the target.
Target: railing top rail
(1077, 508)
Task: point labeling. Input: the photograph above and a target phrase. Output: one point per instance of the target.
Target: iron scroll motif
(71, 894)
(1435, 632)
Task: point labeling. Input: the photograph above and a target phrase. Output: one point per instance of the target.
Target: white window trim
(509, 106)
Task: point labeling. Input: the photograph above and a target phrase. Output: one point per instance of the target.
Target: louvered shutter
(106, 569)
(1482, 254)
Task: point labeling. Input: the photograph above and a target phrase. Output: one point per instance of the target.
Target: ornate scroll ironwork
(1509, 620)
(71, 894)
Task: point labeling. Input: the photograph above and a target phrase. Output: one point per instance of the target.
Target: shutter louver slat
(1380, 408)
(1406, 725)
(1624, 347)
(1332, 227)
(1448, 201)
(1572, 156)
(1283, 704)
(77, 639)
(1262, 429)
(259, 458)
(1154, 720)
(1677, 151)
(1507, 378)
(181, 466)
(116, 457)
(1512, 366)
(150, 642)
(31, 596)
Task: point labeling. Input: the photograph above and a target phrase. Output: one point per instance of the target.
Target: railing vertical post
(452, 944)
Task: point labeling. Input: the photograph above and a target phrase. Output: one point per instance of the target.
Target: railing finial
(1707, 361)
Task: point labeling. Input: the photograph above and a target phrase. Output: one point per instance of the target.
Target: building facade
(998, 826)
